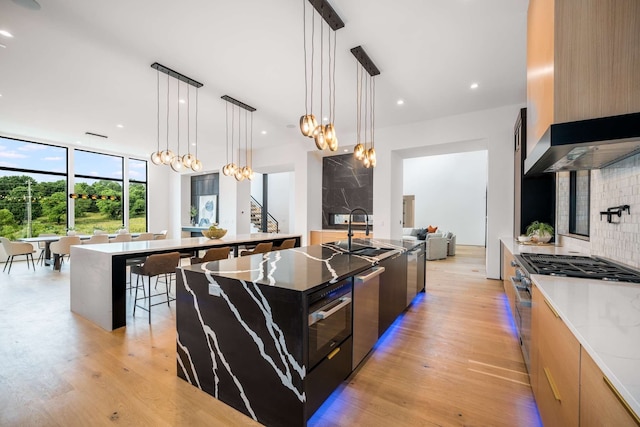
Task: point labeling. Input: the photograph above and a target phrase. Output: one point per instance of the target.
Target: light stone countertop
(516, 248)
(605, 318)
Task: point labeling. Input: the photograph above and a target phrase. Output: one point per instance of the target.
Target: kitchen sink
(371, 251)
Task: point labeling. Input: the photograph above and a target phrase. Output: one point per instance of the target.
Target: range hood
(585, 144)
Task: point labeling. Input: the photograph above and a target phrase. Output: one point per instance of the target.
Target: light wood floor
(452, 360)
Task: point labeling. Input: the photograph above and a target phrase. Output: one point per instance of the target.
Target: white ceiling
(84, 65)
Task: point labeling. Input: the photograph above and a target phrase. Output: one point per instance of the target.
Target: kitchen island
(244, 326)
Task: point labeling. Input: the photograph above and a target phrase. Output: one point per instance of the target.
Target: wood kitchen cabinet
(600, 404)
(555, 363)
(317, 237)
(583, 58)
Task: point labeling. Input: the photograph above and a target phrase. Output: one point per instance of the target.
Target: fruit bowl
(215, 233)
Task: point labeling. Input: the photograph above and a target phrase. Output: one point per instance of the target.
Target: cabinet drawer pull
(622, 400)
(553, 310)
(333, 353)
(552, 384)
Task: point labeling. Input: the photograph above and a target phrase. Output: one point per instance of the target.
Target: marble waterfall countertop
(605, 318)
(302, 269)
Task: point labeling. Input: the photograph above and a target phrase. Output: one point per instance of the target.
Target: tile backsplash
(617, 185)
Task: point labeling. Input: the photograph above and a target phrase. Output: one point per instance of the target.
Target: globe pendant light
(323, 135)
(239, 172)
(166, 156)
(360, 151)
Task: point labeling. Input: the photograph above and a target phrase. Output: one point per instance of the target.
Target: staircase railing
(256, 218)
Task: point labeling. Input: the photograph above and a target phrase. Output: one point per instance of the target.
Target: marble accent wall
(617, 185)
(346, 185)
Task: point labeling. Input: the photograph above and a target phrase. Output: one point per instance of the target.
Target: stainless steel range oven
(330, 319)
(521, 283)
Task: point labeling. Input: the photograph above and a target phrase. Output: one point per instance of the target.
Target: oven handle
(519, 300)
(321, 314)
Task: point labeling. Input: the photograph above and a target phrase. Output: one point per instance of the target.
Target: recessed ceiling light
(193, 143)
(119, 126)
(346, 150)
(6, 34)
(264, 132)
(400, 102)
(325, 118)
(182, 101)
(474, 86)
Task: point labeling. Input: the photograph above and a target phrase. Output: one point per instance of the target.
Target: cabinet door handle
(552, 384)
(333, 353)
(622, 400)
(553, 310)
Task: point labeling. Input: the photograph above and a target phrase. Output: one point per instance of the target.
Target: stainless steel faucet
(350, 232)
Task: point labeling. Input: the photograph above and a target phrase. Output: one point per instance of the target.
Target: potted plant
(193, 212)
(71, 231)
(540, 231)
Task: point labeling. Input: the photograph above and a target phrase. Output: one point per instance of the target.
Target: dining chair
(96, 239)
(153, 266)
(14, 249)
(259, 249)
(287, 244)
(142, 237)
(63, 247)
(43, 246)
(213, 254)
(121, 237)
(162, 235)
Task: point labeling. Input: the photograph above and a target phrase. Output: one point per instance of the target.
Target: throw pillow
(431, 229)
(422, 234)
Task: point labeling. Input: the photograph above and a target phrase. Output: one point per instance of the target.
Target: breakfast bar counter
(98, 272)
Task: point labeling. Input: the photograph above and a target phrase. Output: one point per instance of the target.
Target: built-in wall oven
(330, 319)
(330, 325)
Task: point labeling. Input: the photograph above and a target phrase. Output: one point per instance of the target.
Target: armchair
(436, 246)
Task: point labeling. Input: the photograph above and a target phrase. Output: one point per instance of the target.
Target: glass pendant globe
(188, 159)
(155, 158)
(308, 123)
(166, 156)
(225, 170)
(251, 175)
(318, 137)
(176, 163)
(232, 168)
(196, 166)
(246, 171)
(333, 145)
(358, 151)
(371, 154)
(366, 161)
(238, 174)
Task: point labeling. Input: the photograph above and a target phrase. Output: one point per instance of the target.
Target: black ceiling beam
(238, 103)
(168, 71)
(365, 61)
(328, 13)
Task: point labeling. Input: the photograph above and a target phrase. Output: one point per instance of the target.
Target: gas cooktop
(578, 266)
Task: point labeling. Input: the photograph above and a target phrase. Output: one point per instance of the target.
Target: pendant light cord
(373, 109)
(188, 120)
(366, 107)
(233, 126)
(251, 142)
(167, 112)
(226, 127)
(321, 65)
(178, 98)
(333, 104)
(358, 104)
(313, 44)
(158, 101)
(196, 123)
(304, 40)
(330, 78)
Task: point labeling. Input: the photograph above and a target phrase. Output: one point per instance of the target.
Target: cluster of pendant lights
(324, 135)
(365, 84)
(241, 117)
(177, 161)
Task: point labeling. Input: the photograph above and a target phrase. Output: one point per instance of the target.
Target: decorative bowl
(541, 239)
(214, 234)
(524, 238)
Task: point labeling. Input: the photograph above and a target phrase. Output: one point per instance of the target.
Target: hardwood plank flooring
(451, 360)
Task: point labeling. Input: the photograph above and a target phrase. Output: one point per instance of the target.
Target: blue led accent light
(508, 317)
(332, 404)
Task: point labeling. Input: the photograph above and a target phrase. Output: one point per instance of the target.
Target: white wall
(279, 198)
(450, 193)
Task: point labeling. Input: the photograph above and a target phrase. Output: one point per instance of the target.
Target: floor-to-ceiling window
(33, 188)
(137, 195)
(99, 185)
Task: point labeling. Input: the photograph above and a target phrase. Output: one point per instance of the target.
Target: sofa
(436, 246)
(450, 240)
